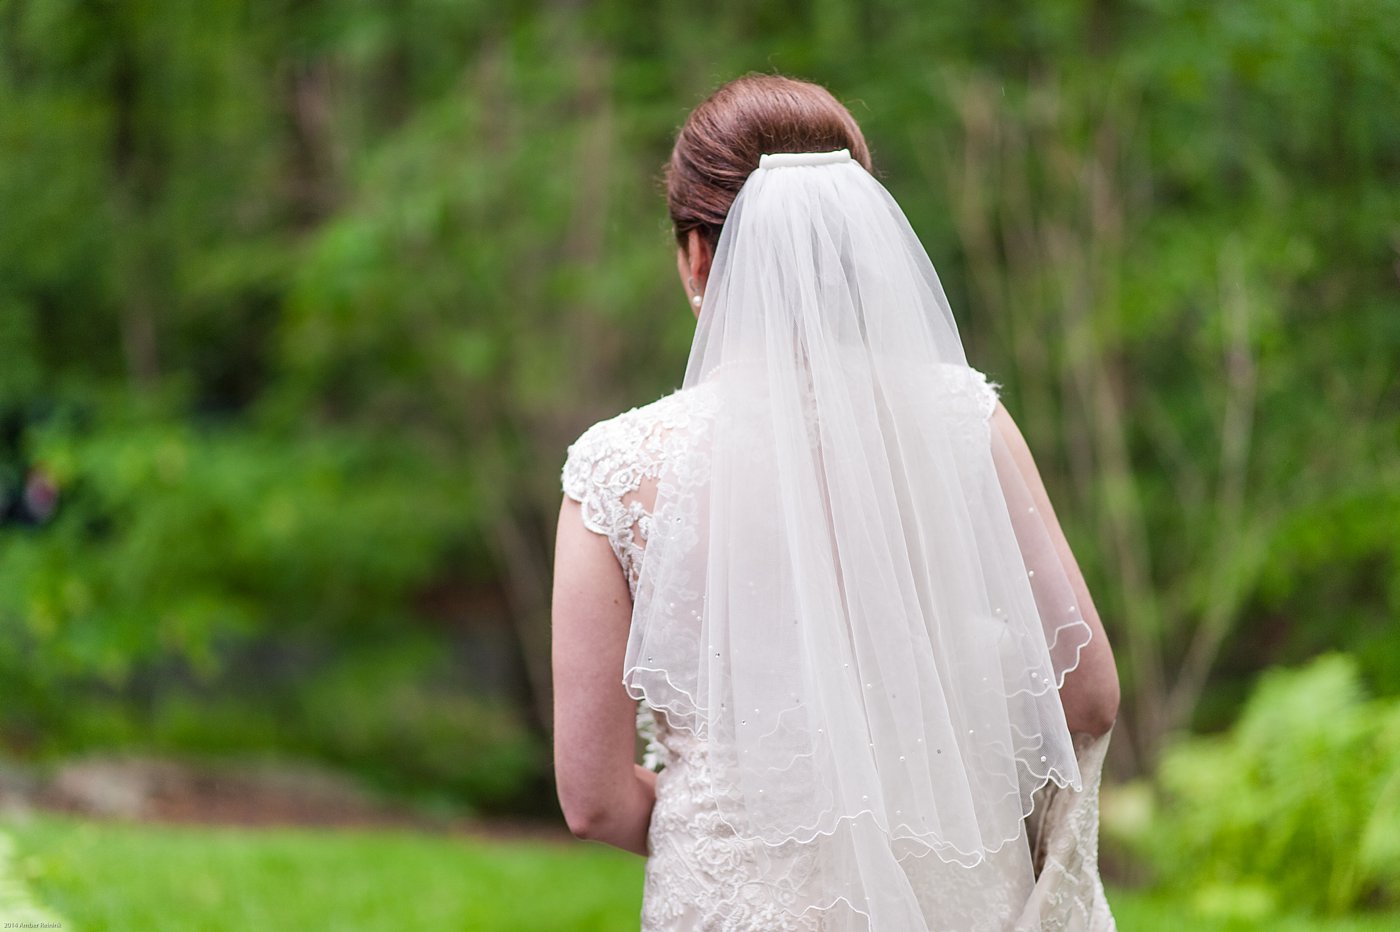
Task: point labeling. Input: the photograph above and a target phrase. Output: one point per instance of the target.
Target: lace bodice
(607, 467)
(697, 875)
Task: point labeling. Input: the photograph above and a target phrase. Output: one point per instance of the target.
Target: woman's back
(702, 873)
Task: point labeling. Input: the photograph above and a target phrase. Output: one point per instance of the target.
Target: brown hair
(722, 139)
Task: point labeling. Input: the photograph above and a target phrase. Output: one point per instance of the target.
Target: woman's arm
(1090, 692)
(605, 796)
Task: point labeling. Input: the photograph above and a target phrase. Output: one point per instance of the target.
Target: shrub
(1298, 805)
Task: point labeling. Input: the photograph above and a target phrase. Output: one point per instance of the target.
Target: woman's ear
(698, 256)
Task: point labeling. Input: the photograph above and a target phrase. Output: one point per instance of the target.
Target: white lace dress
(700, 875)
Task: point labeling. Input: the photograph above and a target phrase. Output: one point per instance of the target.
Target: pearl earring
(696, 300)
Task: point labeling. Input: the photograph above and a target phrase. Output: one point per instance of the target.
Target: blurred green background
(301, 302)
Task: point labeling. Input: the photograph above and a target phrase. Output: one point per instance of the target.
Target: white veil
(850, 597)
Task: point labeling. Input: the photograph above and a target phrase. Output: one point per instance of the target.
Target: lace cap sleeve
(595, 474)
(605, 470)
(601, 473)
(988, 393)
(580, 464)
(972, 387)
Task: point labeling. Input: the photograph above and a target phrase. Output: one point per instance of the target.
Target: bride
(824, 581)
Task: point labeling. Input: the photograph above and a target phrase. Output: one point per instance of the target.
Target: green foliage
(172, 539)
(179, 550)
(393, 712)
(397, 715)
(300, 304)
(1297, 806)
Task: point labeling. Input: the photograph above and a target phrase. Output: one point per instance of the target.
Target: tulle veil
(851, 596)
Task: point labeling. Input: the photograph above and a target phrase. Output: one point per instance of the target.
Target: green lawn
(100, 876)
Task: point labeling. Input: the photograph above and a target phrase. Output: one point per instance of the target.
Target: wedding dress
(698, 875)
(849, 621)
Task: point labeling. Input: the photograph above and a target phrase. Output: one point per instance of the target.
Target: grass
(109, 876)
(1147, 912)
(106, 876)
